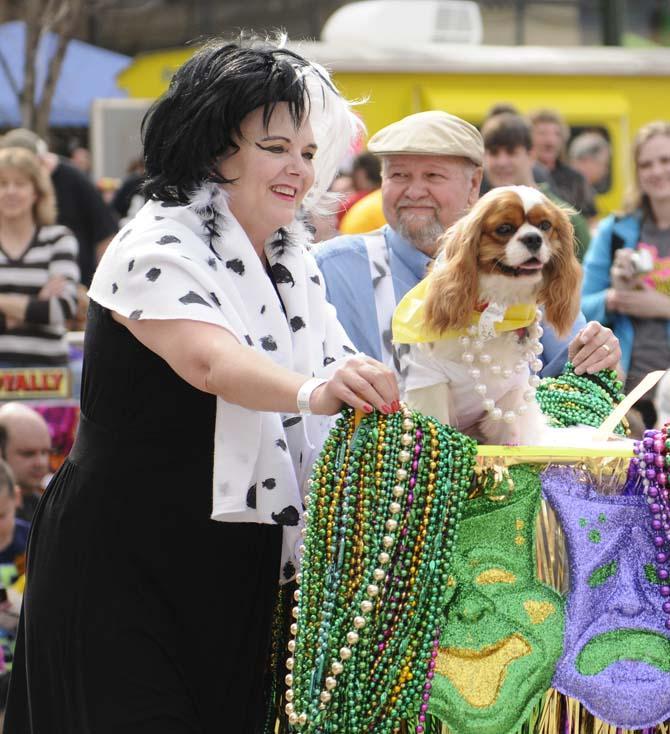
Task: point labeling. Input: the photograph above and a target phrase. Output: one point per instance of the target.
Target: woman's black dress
(141, 614)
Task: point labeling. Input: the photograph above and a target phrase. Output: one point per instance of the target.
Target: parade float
(451, 588)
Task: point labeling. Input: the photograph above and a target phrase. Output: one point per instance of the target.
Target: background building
(134, 26)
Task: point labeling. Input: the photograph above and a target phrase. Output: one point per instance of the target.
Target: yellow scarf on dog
(409, 326)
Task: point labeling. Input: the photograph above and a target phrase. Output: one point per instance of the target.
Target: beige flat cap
(429, 133)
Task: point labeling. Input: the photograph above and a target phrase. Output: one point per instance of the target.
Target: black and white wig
(198, 119)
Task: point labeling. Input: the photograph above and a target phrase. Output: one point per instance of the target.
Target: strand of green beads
(344, 634)
(371, 591)
(360, 459)
(394, 592)
(358, 671)
(588, 387)
(572, 399)
(409, 704)
(580, 410)
(327, 481)
(312, 571)
(376, 528)
(392, 482)
(373, 570)
(431, 596)
(407, 683)
(419, 688)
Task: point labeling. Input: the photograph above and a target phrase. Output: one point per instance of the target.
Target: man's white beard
(423, 236)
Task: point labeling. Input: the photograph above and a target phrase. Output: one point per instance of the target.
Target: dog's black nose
(532, 241)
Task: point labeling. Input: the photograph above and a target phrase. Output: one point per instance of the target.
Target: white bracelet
(305, 393)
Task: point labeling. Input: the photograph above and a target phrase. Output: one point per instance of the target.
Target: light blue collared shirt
(346, 270)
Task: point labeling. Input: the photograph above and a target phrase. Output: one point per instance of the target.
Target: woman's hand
(594, 348)
(55, 286)
(13, 306)
(645, 303)
(361, 382)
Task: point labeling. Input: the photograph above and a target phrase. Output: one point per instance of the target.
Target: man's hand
(644, 303)
(594, 348)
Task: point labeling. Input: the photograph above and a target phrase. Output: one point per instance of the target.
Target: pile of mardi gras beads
(572, 400)
(649, 473)
(382, 518)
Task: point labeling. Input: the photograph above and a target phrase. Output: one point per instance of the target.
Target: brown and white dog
(514, 247)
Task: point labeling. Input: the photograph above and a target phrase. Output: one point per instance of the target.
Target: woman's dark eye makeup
(309, 154)
(271, 148)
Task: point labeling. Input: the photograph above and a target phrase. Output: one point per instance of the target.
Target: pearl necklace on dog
(474, 355)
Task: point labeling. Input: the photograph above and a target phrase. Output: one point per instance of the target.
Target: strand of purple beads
(648, 473)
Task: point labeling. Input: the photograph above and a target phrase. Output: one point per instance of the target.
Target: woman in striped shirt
(38, 265)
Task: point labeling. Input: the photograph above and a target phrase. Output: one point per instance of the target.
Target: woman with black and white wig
(156, 551)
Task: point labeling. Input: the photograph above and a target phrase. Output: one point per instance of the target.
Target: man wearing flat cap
(431, 173)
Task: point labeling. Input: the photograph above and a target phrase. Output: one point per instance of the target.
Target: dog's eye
(505, 229)
(544, 225)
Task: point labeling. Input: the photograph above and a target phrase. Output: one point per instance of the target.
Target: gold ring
(606, 348)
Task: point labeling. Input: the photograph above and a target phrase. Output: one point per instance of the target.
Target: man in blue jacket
(431, 173)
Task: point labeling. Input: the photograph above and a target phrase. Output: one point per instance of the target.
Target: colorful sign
(33, 383)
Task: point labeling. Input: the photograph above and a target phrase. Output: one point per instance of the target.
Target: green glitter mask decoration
(503, 629)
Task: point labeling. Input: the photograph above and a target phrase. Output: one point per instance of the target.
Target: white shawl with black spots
(196, 262)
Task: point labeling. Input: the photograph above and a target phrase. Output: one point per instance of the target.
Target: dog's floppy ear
(454, 282)
(561, 286)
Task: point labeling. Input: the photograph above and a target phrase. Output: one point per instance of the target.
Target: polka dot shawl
(196, 262)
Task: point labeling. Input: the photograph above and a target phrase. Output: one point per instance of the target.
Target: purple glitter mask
(616, 657)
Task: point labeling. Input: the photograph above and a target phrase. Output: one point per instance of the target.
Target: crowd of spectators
(626, 254)
(55, 225)
(25, 447)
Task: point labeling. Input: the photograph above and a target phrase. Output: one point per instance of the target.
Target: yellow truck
(615, 90)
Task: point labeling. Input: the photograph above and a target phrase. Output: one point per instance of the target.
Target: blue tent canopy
(87, 72)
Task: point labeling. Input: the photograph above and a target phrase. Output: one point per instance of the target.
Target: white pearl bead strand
(473, 352)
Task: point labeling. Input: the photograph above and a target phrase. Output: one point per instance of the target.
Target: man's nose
(416, 189)
(532, 241)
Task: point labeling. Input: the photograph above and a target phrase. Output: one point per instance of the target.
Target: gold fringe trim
(553, 707)
(550, 714)
(550, 550)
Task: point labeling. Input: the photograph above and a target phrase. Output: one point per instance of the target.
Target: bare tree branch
(4, 64)
(41, 18)
(57, 12)
(65, 18)
(27, 96)
(43, 107)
